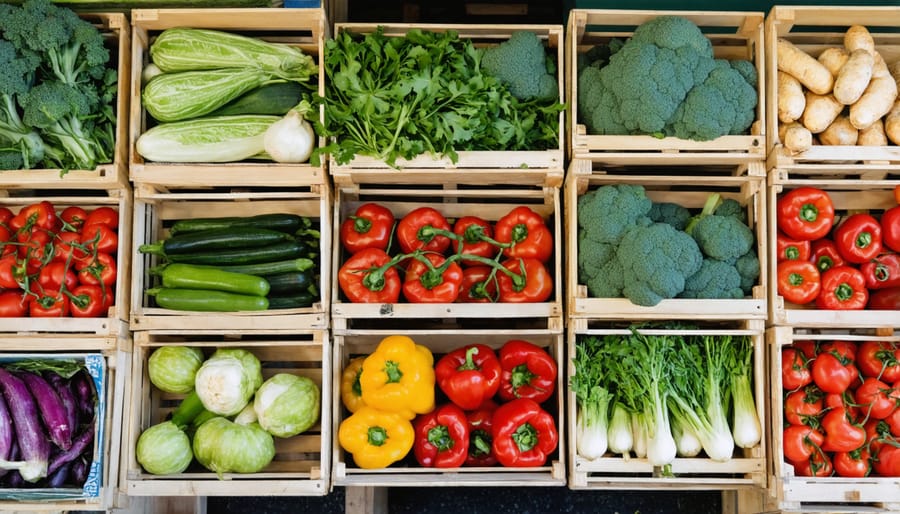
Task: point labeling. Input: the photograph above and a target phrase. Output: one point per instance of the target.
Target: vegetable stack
(255, 263)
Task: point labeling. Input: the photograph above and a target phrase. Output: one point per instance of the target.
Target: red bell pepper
(890, 228)
(475, 238)
(469, 376)
(825, 255)
(524, 281)
(526, 233)
(789, 249)
(481, 426)
(527, 371)
(885, 299)
(370, 226)
(858, 238)
(882, 271)
(430, 278)
(442, 437)
(843, 288)
(524, 434)
(369, 276)
(479, 285)
(415, 231)
(798, 281)
(805, 213)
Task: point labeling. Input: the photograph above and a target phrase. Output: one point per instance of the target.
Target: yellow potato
(791, 101)
(840, 132)
(892, 124)
(834, 58)
(858, 37)
(795, 137)
(810, 72)
(878, 98)
(820, 112)
(853, 77)
(894, 70)
(873, 136)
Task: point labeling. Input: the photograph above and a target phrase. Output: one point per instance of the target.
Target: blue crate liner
(95, 364)
(302, 3)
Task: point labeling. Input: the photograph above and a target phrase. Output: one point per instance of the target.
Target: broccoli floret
(670, 213)
(656, 259)
(608, 282)
(715, 279)
(747, 70)
(747, 266)
(592, 255)
(521, 63)
(723, 238)
(608, 211)
(731, 207)
(673, 32)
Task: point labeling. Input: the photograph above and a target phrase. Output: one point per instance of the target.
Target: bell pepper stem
(525, 437)
(361, 225)
(844, 292)
(439, 436)
(469, 364)
(377, 436)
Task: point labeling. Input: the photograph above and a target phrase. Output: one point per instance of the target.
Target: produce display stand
(813, 29)
(117, 33)
(303, 28)
(795, 493)
(734, 35)
(301, 463)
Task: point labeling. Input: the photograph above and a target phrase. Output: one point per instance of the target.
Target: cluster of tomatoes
(57, 264)
(471, 260)
(842, 408)
(854, 264)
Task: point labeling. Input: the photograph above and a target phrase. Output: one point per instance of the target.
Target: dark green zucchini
(272, 268)
(289, 283)
(278, 98)
(218, 239)
(282, 222)
(270, 253)
(298, 301)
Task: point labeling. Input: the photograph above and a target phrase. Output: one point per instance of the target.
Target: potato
(892, 123)
(858, 37)
(820, 112)
(873, 136)
(803, 67)
(894, 70)
(795, 137)
(878, 98)
(853, 77)
(840, 132)
(834, 58)
(791, 101)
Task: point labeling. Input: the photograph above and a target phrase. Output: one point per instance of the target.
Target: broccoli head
(656, 260)
(715, 279)
(670, 213)
(521, 63)
(731, 207)
(723, 238)
(747, 266)
(673, 32)
(607, 212)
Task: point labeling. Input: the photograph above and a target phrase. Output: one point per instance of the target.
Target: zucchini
(271, 268)
(208, 301)
(188, 276)
(277, 98)
(218, 239)
(289, 283)
(297, 301)
(270, 253)
(281, 222)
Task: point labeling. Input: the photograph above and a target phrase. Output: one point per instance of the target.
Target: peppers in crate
(442, 437)
(469, 376)
(368, 276)
(415, 231)
(351, 391)
(527, 371)
(858, 238)
(398, 377)
(882, 271)
(369, 227)
(481, 452)
(478, 285)
(375, 438)
(789, 249)
(527, 281)
(825, 255)
(431, 278)
(524, 434)
(890, 228)
(885, 299)
(843, 288)
(474, 238)
(526, 233)
(805, 213)
(798, 281)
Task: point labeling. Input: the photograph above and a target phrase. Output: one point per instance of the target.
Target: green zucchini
(297, 301)
(271, 268)
(270, 253)
(289, 283)
(188, 276)
(218, 239)
(209, 301)
(277, 98)
(281, 222)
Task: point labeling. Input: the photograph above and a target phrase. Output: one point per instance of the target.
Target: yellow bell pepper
(399, 377)
(351, 392)
(376, 439)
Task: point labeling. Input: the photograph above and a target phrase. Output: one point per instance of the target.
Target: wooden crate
(746, 470)
(531, 167)
(110, 373)
(117, 33)
(813, 29)
(156, 210)
(822, 494)
(303, 28)
(115, 321)
(489, 204)
(690, 192)
(408, 473)
(734, 35)
(301, 463)
(847, 196)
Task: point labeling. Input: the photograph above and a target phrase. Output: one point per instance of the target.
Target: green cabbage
(223, 446)
(227, 380)
(172, 368)
(164, 449)
(287, 405)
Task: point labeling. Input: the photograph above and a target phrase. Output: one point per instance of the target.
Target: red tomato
(66, 244)
(817, 465)
(803, 406)
(879, 359)
(73, 216)
(101, 237)
(13, 304)
(795, 371)
(887, 463)
(832, 373)
(103, 216)
(853, 464)
(801, 441)
(840, 434)
(90, 301)
(37, 215)
(10, 272)
(101, 270)
(843, 348)
(51, 305)
(809, 348)
(893, 422)
(52, 276)
(5, 215)
(844, 401)
(873, 398)
(34, 248)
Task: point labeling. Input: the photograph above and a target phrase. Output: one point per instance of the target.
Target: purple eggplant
(83, 387)
(65, 394)
(53, 412)
(7, 435)
(59, 477)
(79, 472)
(33, 442)
(13, 478)
(79, 445)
